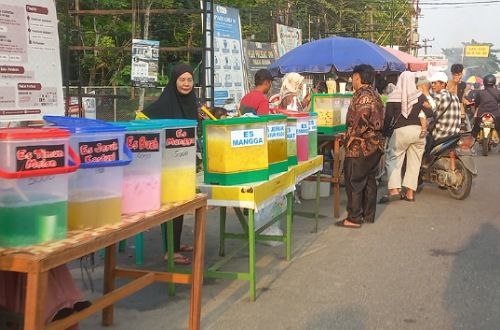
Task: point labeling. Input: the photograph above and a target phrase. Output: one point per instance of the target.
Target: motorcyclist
(487, 101)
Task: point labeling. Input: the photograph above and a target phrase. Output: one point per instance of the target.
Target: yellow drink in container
(235, 151)
(178, 175)
(95, 190)
(277, 143)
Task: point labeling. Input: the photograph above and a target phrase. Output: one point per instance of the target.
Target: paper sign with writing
(99, 151)
(276, 132)
(247, 138)
(143, 142)
(180, 137)
(40, 157)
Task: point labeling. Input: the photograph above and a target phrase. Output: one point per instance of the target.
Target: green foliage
(381, 21)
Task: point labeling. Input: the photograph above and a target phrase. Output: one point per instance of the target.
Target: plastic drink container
(95, 190)
(178, 179)
(142, 178)
(34, 163)
(235, 150)
(291, 141)
(276, 143)
(313, 135)
(302, 133)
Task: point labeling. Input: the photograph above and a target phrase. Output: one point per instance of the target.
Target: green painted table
(250, 198)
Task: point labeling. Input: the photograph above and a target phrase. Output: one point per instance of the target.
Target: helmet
(489, 80)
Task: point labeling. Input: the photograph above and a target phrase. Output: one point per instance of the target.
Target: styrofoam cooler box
(308, 189)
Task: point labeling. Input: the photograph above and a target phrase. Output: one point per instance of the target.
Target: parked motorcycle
(451, 165)
(488, 135)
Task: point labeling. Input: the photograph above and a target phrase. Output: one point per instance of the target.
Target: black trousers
(361, 187)
(178, 222)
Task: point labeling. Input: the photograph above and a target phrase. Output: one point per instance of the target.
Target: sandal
(186, 248)
(405, 198)
(179, 260)
(344, 224)
(390, 198)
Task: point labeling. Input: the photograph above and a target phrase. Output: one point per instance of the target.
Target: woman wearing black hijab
(177, 101)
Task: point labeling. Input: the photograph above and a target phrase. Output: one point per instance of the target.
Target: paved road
(432, 264)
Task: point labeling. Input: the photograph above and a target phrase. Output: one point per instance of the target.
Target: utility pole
(426, 45)
(392, 24)
(372, 37)
(146, 36)
(309, 27)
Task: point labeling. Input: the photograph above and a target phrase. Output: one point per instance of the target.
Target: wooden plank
(198, 266)
(36, 290)
(103, 302)
(109, 282)
(172, 11)
(159, 276)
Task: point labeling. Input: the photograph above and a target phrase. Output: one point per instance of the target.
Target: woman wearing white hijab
(402, 124)
(290, 90)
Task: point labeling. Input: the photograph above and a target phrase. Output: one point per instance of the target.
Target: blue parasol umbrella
(338, 54)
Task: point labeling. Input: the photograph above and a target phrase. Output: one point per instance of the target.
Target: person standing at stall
(256, 100)
(364, 146)
(290, 93)
(177, 101)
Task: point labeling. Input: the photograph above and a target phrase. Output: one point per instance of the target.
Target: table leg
(336, 178)
(109, 282)
(251, 252)
(222, 231)
(316, 207)
(139, 249)
(170, 255)
(36, 290)
(289, 218)
(198, 266)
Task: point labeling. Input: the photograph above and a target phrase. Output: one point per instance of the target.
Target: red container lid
(294, 114)
(31, 133)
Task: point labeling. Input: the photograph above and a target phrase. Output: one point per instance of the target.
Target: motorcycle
(488, 135)
(451, 165)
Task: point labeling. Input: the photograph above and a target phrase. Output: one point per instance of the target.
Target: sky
(450, 23)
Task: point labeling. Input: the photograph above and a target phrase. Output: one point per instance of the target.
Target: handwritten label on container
(41, 157)
(303, 128)
(143, 142)
(291, 132)
(247, 138)
(99, 151)
(313, 125)
(180, 138)
(276, 132)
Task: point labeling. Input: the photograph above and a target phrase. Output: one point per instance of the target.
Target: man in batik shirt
(364, 146)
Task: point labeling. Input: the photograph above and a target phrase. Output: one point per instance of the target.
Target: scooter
(488, 135)
(451, 165)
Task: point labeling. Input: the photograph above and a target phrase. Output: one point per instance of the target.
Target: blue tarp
(337, 54)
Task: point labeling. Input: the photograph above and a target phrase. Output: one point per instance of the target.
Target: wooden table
(37, 260)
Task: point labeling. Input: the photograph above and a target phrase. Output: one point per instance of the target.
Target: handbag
(390, 129)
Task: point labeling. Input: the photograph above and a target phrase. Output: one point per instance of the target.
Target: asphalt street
(431, 264)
